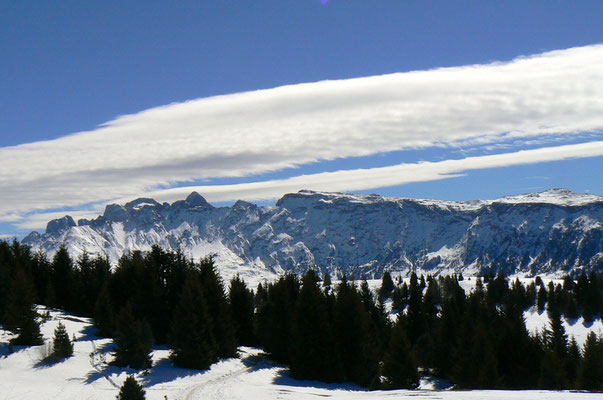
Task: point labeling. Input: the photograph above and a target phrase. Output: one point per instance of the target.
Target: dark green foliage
(326, 282)
(387, 285)
(399, 367)
(134, 341)
(63, 278)
(590, 374)
(192, 339)
(356, 343)
(62, 347)
(541, 299)
(242, 306)
(274, 319)
(313, 355)
(131, 390)
(475, 340)
(20, 314)
(219, 309)
(104, 319)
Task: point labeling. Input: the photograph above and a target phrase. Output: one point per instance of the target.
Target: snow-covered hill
(549, 233)
(87, 374)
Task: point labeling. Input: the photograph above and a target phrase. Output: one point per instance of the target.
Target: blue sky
(68, 67)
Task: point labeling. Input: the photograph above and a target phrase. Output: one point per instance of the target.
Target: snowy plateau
(252, 376)
(549, 233)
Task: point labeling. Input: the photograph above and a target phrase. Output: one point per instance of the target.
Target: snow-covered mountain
(552, 233)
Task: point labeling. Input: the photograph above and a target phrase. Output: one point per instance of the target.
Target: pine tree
(590, 374)
(62, 345)
(541, 299)
(326, 282)
(399, 368)
(219, 309)
(63, 278)
(387, 285)
(313, 354)
(192, 340)
(131, 390)
(241, 304)
(574, 358)
(356, 342)
(104, 320)
(20, 314)
(134, 341)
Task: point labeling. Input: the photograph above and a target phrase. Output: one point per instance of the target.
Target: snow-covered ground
(87, 376)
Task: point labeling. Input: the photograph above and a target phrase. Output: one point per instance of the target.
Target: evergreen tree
(399, 368)
(387, 285)
(541, 299)
(313, 354)
(134, 341)
(274, 319)
(20, 315)
(219, 309)
(574, 358)
(62, 347)
(131, 390)
(356, 343)
(63, 278)
(553, 374)
(104, 320)
(241, 304)
(326, 282)
(192, 339)
(590, 374)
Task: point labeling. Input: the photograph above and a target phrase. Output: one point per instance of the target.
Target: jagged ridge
(552, 232)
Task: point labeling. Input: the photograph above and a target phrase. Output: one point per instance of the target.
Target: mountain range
(549, 233)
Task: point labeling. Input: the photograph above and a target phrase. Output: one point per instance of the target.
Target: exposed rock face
(552, 232)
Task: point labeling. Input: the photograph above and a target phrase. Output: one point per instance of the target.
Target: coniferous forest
(331, 332)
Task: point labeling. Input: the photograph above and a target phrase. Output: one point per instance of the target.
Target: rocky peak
(57, 225)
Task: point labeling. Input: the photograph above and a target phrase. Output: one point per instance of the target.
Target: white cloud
(366, 179)
(559, 92)
(353, 180)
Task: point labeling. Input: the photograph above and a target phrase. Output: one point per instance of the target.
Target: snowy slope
(548, 233)
(87, 376)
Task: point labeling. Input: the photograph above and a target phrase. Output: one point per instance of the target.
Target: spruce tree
(574, 358)
(104, 319)
(387, 285)
(399, 367)
(313, 353)
(20, 315)
(241, 304)
(192, 341)
(134, 341)
(326, 282)
(62, 347)
(131, 390)
(541, 298)
(63, 278)
(356, 342)
(219, 309)
(590, 374)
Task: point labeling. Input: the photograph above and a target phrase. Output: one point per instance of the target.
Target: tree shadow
(164, 371)
(89, 333)
(283, 379)
(49, 362)
(256, 362)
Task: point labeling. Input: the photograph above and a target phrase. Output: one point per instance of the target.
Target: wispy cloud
(237, 135)
(358, 179)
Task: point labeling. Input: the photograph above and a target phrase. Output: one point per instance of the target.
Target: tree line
(341, 332)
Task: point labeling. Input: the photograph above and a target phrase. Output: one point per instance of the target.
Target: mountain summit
(552, 232)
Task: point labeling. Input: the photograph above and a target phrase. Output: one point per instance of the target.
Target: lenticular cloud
(559, 92)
